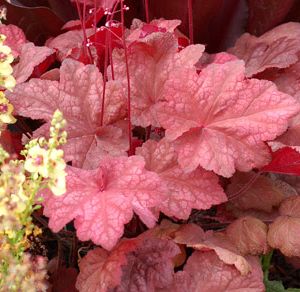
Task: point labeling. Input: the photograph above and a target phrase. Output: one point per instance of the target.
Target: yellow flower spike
(9, 82)
(5, 54)
(2, 39)
(5, 68)
(37, 161)
(57, 183)
(57, 175)
(6, 110)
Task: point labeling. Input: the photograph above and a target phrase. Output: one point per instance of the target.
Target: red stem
(110, 42)
(191, 28)
(104, 79)
(147, 11)
(82, 20)
(128, 78)
(95, 16)
(110, 57)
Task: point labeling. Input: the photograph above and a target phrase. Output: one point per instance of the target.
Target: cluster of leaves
(159, 128)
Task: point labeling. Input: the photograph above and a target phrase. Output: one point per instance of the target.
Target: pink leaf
(219, 120)
(102, 200)
(199, 189)
(139, 29)
(292, 136)
(15, 38)
(101, 270)
(254, 191)
(30, 57)
(277, 48)
(151, 61)
(66, 43)
(206, 273)
(283, 232)
(249, 235)
(134, 265)
(52, 74)
(78, 95)
(285, 160)
(219, 58)
(217, 242)
(283, 235)
(150, 267)
(287, 80)
(290, 207)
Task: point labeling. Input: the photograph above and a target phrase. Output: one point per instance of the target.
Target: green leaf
(276, 286)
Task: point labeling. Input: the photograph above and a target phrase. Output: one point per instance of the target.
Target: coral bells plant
(180, 171)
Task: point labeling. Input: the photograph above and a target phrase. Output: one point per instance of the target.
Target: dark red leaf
(285, 160)
(11, 141)
(218, 15)
(102, 38)
(89, 23)
(266, 14)
(64, 279)
(38, 23)
(41, 68)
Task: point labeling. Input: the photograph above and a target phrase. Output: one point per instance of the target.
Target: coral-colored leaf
(220, 120)
(150, 267)
(284, 235)
(218, 242)
(151, 61)
(134, 265)
(249, 235)
(287, 80)
(101, 270)
(219, 58)
(15, 38)
(285, 160)
(277, 48)
(206, 273)
(199, 189)
(78, 95)
(283, 232)
(66, 43)
(254, 191)
(139, 29)
(292, 136)
(290, 207)
(52, 74)
(30, 57)
(102, 200)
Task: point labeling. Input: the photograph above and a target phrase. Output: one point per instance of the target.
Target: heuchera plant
(164, 135)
